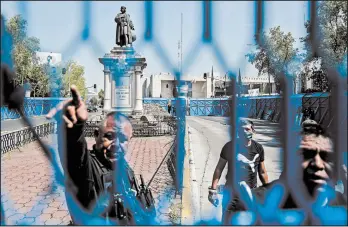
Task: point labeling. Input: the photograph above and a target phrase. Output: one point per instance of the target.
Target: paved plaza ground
(26, 181)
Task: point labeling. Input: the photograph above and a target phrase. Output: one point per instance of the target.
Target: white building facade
(163, 85)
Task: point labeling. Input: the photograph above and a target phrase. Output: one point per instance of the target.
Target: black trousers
(230, 205)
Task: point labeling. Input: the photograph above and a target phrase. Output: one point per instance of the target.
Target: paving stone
(32, 183)
(33, 213)
(50, 210)
(30, 204)
(66, 219)
(45, 201)
(53, 221)
(23, 210)
(23, 200)
(40, 207)
(43, 218)
(11, 212)
(37, 197)
(14, 218)
(64, 206)
(27, 221)
(56, 204)
(60, 214)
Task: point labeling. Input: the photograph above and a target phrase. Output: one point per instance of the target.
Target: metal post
(49, 69)
(181, 45)
(225, 85)
(212, 81)
(269, 84)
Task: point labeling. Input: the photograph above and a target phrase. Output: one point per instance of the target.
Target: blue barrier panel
(32, 107)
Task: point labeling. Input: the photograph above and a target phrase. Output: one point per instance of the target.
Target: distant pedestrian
(188, 106)
(169, 105)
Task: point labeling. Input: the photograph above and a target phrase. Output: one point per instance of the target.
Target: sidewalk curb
(195, 188)
(190, 196)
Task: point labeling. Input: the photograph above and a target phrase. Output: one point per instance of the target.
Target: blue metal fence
(288, 107)
(257, 105)
(32, 107)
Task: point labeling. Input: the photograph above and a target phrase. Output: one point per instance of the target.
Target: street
(208, 136)
(17, 124)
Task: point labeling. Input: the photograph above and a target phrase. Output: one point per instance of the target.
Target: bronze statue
(124, 29)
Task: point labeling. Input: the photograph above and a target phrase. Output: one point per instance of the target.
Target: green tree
(275, 55)
(101, 96)
(93, 101)
(332, 28)
(74, 75)
(23, 52)
(39, 81)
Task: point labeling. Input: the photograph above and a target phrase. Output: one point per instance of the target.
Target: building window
(167, 86)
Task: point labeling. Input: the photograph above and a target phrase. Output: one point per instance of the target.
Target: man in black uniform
(250, 161)
(316, 172)
(89, 173)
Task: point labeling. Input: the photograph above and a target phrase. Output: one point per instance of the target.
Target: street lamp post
(49, 57)
(225, 84)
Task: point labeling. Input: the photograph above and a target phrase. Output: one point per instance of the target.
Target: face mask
(248, 135)
(244, 134)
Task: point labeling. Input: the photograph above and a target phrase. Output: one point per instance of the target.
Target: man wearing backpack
(250, 162)
(100, 181)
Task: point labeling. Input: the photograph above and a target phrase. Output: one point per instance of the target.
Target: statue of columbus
(124, 36)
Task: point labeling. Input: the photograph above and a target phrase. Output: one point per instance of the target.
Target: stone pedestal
(123, 69)
(138, 108)
(107, 89)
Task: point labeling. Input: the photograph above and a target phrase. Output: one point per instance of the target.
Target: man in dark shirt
(250, 161)
(316, 173)
(89, 173)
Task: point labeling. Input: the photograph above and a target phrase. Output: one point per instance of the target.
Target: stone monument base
(127, 112)
(124, 111)
(123, 69)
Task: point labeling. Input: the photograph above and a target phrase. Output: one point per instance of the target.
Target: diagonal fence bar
(288, 107)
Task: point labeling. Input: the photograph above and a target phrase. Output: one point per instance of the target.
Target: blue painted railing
(32, 107)
(198, 107)
(222, 106)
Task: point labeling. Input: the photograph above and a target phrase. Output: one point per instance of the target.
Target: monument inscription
(123, 91)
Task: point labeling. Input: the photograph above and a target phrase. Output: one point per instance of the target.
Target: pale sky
(58, 24)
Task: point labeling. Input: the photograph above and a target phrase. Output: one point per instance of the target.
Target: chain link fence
(288, 108)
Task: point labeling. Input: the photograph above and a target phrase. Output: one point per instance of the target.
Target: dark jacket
(87, 170)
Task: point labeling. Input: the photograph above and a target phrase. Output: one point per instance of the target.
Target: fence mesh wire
(264, 213)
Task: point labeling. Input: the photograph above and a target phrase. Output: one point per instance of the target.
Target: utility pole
(240, 85)
(181, 45)
(212, 80)
(179, 54)
(269, 80)
(225, 87)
